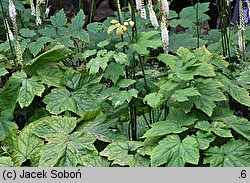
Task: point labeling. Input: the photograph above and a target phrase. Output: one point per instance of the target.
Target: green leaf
(240, 125)
(204, 139)
(6, 126)
(169, 60)
(173, 152)
(238, 93)
(145, 40)
(6, 162)
(2, 57)
(219, 128)
(64, 150)
(48, 74)
(82, 35)
(172, 14)
(37, 46)
(188, 13)
(120, 152)
(65, 40)
(153, 99)
(176, 122)
(122, 96)
(103, 43)
(183, 40)
(236, 153)
(78, 21)
(88, 53)
(100, 129)
(183, 22)
(23, 146)
(3, 71)
(120, 45)
(94, 161)
(59, 20)
(244, 79)
(27, 32)
(51, 32)
(139, 161)
(79, 102)
(210, 92)
(29, 88)
(121, 58)
(8, 97)
(54, 54)
(54, 125)
(114, 71)
(183, 94)
(123, 83)
(95, 63)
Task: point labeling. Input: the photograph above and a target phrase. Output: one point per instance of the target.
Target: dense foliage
(107, 94)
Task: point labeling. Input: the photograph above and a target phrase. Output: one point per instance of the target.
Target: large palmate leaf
(38, 45)
(49, 126)
(236, 153)
(204, 139)
(94, 161)
(144, 41)
(188, 12)
(6, 162)
(153, 99)
(114, 71)
(6, 126)
(21, 89)
(173, 152)
(29, 88)
(120, 152)
(176, 122)
(22, 146)
(184, 40)
(79, 102)
(244, 79)
(219, 128)
(238, 93)
(48, 74)
(210, 92)
(120, 97)
(9, 95)
(140, 161)
(65, 150)
(100, 129)
(184, 94)
(240, 125)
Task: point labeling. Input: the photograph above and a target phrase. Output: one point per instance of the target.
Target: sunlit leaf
(173, 152)
(119, 152)
(236, 153)
(79, 102)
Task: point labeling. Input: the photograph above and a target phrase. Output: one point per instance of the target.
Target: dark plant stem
(146, 87)
(133, 119)
(8, 37)
(91, 10)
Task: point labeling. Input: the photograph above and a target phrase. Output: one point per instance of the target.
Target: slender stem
(197, 24)
(80, 4)
(8, 37)
(91, 10)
